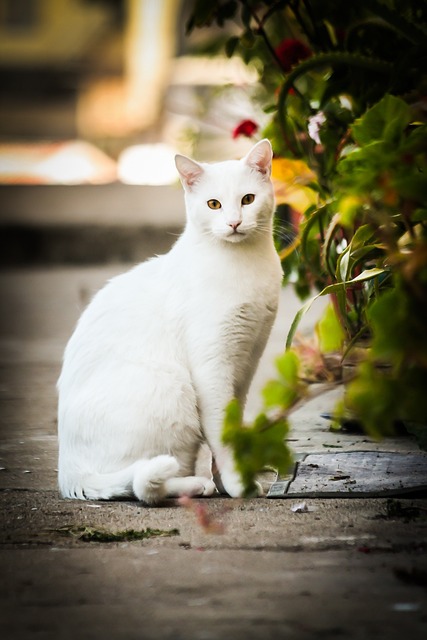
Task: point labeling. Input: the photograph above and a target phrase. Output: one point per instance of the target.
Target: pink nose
(234, 225)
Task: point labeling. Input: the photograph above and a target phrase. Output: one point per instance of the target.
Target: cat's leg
(225, 375)
(243, 363)
(215, 384)
(226, 476)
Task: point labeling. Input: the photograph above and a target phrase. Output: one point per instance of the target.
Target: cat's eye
(214, 204)
(248, 198)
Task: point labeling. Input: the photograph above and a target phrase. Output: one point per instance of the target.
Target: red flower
(245, 128)
(290, 52)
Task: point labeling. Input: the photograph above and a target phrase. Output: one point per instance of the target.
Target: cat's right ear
(188, 170)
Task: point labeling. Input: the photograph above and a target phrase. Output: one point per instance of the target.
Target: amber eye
(248, 198)
(214, 204)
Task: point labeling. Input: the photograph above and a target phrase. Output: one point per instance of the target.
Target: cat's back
(130, 296)
(129, 317)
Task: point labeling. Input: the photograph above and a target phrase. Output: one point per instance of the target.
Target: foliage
(345, 85)
(263, 443)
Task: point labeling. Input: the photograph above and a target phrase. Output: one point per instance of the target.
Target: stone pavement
(229, 569)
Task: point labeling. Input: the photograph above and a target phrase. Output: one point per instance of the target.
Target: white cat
(162, 349)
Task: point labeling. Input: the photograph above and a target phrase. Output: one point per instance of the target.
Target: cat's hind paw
(209, 487)
(149, 482)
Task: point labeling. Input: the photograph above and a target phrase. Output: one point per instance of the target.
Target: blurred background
(97, 97)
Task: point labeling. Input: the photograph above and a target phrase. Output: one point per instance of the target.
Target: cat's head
(231, 200)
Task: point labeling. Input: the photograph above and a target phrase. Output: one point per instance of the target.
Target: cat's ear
(260, 157)
(188, 170)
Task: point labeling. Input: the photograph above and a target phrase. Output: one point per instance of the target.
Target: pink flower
(290, 52)
(315, 125)
(245, 128)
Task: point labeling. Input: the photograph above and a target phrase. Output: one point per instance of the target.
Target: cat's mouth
(236, 235)
(233, 235)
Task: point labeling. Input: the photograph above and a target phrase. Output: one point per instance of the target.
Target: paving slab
(354, 474)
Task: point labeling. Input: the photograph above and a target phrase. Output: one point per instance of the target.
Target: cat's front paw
(233, 486)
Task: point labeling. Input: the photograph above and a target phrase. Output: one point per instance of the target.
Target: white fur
(162, 349)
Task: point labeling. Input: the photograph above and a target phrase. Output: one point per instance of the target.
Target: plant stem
(335, 58)
(414, 32)
(262, 32)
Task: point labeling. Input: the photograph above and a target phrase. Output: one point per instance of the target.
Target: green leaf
(343, 265)
(288, 367)
(246, 15)
(329, 331)
(368, 274)
(373, 399)
(203, 15)
(248, 39)
(329, 239)
(313, 219)
(278, 394)
(261, 422)
(385, 121)
(336, 59)
(233, 414)
(412, 187)
(297, 320)
(420, 215)
(362, 235)
(354, 252)
(274, 394)
(255, 447)
(349, 207)
(230, 46)
(416, 141)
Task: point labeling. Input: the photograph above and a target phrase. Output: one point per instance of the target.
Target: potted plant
(345, 88)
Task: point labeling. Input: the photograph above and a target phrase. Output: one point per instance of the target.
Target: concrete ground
(344, 568)
(229, 569)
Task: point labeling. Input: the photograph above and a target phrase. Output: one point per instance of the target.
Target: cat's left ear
(260, 157)
(189, 171)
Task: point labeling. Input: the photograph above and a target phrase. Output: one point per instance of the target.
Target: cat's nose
(234, 225)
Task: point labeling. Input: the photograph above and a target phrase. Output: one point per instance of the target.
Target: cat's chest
(230, 280)
(228, 292)
(243, 324)
(235, 308)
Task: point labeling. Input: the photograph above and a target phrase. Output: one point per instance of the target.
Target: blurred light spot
(150, 164)
(76, 163)
(69, 162)
(218, 70)
(406, 606)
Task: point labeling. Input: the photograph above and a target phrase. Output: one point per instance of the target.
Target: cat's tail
(144, 479)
